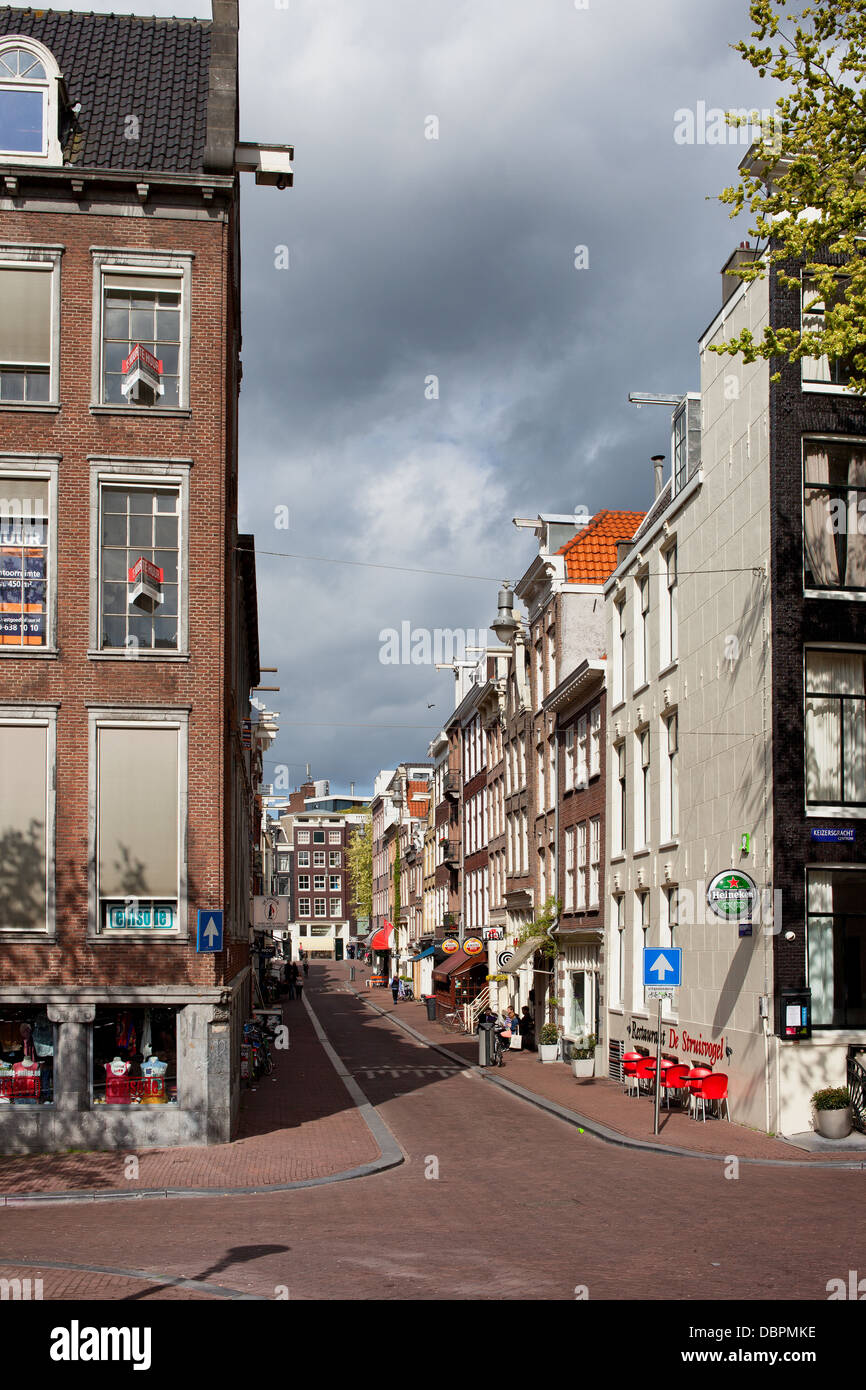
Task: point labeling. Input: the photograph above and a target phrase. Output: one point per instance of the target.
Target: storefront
(458, 980)
(108, 1072)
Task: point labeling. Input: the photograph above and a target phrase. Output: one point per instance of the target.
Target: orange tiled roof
(590, 556)
(413, 791)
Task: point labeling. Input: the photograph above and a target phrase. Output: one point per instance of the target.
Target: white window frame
(42, 468)
(580, 885)
(116, 471)
(303, 883)
(335, 859)
(333, 837)
(568, 905)
(304, 907)
(641, 630)
(581, 773)
(139, 264)
(595, 740)
(336, 907)
(44, 260)
(324, 907)
(43, 716)
(303, 859)
(108, 716)
(303, 837)
(594, 860)
(51, 152)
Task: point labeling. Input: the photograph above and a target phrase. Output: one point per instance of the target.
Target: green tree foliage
(359, 860)
(806, 188)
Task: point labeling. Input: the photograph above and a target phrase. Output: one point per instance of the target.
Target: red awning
(458, 963)
(382, 940)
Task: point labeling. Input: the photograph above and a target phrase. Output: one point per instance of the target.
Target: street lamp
(505, 625)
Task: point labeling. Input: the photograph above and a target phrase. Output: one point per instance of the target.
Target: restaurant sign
(732, 896)
(449, 945)
(473, 946)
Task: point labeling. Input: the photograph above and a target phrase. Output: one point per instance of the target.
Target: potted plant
(583, 1057)
(833, 1117)
(548, 1042)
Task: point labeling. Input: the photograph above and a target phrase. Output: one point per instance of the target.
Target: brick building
(129, 628)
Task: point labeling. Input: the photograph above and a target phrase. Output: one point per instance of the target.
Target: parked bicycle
(455, 1022)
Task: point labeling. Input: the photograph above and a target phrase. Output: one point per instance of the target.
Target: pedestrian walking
(395, 988)
(306, 968)
(527, 1029)
(290, 981)
(299, 986)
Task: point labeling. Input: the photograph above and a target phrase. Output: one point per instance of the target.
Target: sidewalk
(601, 1101)
(298, 1124)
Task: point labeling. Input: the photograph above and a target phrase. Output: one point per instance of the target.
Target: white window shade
(25, 316)
(23, 819)
(137, 771)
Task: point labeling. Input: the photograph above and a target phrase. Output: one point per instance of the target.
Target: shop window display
(26, 1056)
(135, 1056)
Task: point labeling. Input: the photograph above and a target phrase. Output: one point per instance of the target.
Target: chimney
(658, 462)
(730, 283)
(622, 551)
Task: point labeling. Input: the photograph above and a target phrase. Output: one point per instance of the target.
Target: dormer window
(29, 80)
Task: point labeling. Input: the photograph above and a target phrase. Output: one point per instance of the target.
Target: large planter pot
(834, 1124)
(547, 1052)
(583, 1066)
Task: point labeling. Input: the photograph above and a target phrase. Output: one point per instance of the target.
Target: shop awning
(430, 951)
(523, 954)
(457, 964)
(382, 939)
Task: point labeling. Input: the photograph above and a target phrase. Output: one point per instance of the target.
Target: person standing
(299, 985)
(395, 988)
(306, 967)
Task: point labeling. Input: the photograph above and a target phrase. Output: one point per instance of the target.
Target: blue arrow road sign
(210, 930)
(663, 965)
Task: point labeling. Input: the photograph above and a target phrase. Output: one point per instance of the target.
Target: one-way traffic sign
(663, 965)
(210, 930)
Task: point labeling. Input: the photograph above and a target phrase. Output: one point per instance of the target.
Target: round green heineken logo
(732, 896)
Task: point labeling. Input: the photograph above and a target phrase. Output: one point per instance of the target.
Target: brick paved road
(523, 1207)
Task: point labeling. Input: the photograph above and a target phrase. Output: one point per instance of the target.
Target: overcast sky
(412, 257)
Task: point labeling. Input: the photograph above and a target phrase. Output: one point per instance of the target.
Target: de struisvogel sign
(732, 895)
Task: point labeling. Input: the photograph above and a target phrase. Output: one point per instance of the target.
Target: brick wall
(796, 622)
(72, 679)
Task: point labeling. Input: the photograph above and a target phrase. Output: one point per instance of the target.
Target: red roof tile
(590, 556)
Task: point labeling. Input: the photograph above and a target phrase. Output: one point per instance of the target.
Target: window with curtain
(568, 905)
(580, 897)
(835, 728)
(836, 946)
(595, 741)
(834, 515)
(581, 777)
(138, 810)
(23, 825)
(25, 333)
(594, 859)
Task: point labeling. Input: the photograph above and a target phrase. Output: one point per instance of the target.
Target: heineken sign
(733, 896)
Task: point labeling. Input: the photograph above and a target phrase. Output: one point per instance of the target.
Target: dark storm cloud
(454, 257)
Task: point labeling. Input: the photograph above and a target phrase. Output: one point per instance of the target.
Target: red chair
(714, 1087)
(695, 1081)
(675, 1079)
(629, 1077)
(646, 1070)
